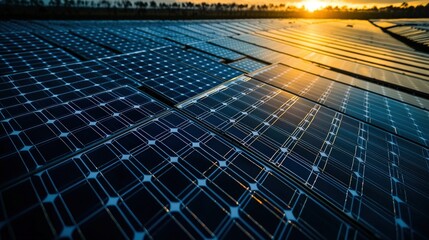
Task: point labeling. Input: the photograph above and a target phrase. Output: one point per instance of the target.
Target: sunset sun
(313, 5)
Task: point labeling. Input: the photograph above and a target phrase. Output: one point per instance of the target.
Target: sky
(351, 3)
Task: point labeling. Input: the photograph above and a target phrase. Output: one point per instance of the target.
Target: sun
(313, 5)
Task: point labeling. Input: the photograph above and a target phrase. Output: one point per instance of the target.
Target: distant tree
(126, 4)
(153, 4)
(175, 5)
(190, 5)
(404, 5)
(204, 6)
(104, 4)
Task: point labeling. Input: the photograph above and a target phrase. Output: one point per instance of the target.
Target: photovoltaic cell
(406, 121)
(37, 138)
(136, 38)
(211, 67)
(186, 32)
(28, 92)
(155, 38)
(203, 54)
(410, 66)
(292, 150)
(167, 176)
(144, 66)
(362, 170)
(274, 57)
(25, 61)
(80, 46)
(20, 42)
(399, 79)
(248, 65)
(217, 51)
(112, 41)
(183, 84)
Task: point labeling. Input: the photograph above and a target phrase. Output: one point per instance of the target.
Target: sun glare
(313, 5)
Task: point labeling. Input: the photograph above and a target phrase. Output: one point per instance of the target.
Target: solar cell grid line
(201, 30)
(244, 26)
(145, 65)
(136, 38)
(385, 43)
(86, 49)
(181, 85)
(217, 51)
(248, 65)
(365, 106)
(313, 37)
(25, 61)
(395, 63)
(231, 28)
(37, 138)
(10, 26)
(112, 41)
(150, 31)
(185, 32)
(33, 91)
(217, 30)
(248, 49)
(184, 40)
(415, 84)
(205, 55)
(195, 184)
(153, 38)
(20, 42)
(328, 151)
(274, 57)
(211, 67)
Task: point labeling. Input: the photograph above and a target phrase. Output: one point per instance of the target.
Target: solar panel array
(411, 29)
(214, 129)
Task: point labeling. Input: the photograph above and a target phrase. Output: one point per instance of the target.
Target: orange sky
(299, 3)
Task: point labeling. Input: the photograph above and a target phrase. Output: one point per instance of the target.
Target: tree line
(152, 9)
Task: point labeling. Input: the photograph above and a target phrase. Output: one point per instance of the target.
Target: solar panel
(274, 57)
(20, 42)
(111, 41)
(396, 63)
(33, 91)
(183, 129)
(326, 150)
(363, 105)
(75, 44)
(248, 65)
(194, 185)
(144, 66)
(136, 38)
(183, 84)
(203, 54)
(217, 51)
(185, 32)
(38, 137)
(161, 41)
(211, 67)
(407, 58)
(395, 78)
(25, 61)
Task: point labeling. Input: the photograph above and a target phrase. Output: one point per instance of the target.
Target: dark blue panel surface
(209, 66)
(84, 48)
(388, 114)
(346, 161)
(168, 176)
(20, 42)
(25, 61)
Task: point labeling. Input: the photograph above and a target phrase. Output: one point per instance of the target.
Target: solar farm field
(214, 129)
